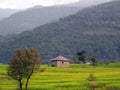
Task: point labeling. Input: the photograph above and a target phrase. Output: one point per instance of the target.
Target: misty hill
(7, 12)
(88, 3)
(33, 17)
(95, 29)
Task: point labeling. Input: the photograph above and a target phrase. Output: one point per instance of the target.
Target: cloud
(64, 1)
(24, 3)
(30, 3)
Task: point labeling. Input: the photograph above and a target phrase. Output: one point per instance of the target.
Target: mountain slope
(6, 12)
(88, 3)
(94, 29)
(33, 17)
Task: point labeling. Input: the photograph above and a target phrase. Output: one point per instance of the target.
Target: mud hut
(60, 61)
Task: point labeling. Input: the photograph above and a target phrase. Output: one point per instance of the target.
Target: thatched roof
(60, 58)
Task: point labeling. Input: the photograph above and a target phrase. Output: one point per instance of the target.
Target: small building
(60, 61)
(88, 62)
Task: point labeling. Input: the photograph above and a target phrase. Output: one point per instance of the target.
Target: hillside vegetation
(95, 29)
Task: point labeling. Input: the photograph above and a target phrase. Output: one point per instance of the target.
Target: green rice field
(73, 78)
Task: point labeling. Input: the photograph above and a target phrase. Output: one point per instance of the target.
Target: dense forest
(95, 29)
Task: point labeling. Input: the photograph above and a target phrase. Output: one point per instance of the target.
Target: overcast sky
(29, 3)
(21, 4)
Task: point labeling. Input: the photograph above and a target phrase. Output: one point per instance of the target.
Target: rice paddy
(73, 78)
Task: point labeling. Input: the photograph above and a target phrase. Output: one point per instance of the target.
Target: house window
(62, 62)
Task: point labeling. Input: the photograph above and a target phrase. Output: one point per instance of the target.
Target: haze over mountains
(88, 3)
(36, 16)
(7, 12)
(95, 29)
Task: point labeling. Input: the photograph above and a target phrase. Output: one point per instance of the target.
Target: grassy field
(73, 78)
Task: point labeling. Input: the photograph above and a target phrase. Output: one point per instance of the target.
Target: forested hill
(33, 17)
(95, 29)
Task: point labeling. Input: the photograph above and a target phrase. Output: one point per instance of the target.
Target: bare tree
(23, 64)
(33, 62)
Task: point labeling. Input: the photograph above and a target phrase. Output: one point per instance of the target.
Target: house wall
(63, 64)
(54, 63)
(60, 63)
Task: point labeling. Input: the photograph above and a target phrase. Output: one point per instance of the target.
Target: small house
(60, 61)
(88, 62)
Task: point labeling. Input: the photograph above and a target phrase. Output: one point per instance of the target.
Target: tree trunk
(20, 83)
(26, 85)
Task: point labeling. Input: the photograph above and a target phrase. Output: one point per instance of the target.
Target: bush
(91, 77)
(42, 70)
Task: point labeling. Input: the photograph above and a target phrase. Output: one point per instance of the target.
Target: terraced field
(73, 78)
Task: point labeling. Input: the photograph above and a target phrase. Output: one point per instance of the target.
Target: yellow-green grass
(73, 78)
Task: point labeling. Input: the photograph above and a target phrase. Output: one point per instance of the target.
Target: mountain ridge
(4, 13)
(33, 17)
(72, 34)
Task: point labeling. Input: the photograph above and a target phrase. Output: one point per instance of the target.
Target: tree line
(82, 57)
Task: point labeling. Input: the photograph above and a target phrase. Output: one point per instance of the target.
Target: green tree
(82, 56)
(23, 64)
(76, 61)
(94, 61)
(91, 77)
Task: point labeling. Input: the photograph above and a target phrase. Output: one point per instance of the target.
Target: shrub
(91, 77)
